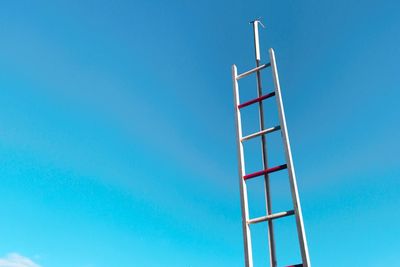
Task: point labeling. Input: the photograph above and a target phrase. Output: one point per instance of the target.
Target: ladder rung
(271, 217)
(259, 173)
(258, 99)
(269, 130)
(297, 265)
(247, 73)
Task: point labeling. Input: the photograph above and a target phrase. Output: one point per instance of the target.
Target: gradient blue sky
(117, 138)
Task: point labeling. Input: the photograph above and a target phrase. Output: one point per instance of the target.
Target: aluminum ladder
(243, 176)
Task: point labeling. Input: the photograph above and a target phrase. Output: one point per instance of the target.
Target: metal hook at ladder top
(269, 217)
(268, 200)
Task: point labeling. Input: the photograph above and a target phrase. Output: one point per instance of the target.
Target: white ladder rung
(271, 217)
(269, 130)
(247, 73)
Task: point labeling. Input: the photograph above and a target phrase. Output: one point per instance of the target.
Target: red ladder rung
(259, 173)
(258, 99)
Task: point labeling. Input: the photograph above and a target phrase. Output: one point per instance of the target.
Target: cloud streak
(16, 260)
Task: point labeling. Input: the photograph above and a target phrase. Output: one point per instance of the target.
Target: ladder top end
(271, 50)
(258, 20)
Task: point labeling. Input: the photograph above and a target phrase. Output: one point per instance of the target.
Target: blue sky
(117, 138)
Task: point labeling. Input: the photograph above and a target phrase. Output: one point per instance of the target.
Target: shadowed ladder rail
(262, 133)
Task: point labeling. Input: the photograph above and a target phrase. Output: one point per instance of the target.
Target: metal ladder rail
(248, 253)
(289, 161)
(264, 155)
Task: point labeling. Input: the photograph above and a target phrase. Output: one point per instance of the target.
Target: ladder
(265, 172)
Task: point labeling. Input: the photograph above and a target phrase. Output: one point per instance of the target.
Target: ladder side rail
(268, 199)
(248, 255)
(289, 161)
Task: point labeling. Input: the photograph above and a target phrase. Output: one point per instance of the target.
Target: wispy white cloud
(16, 260)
